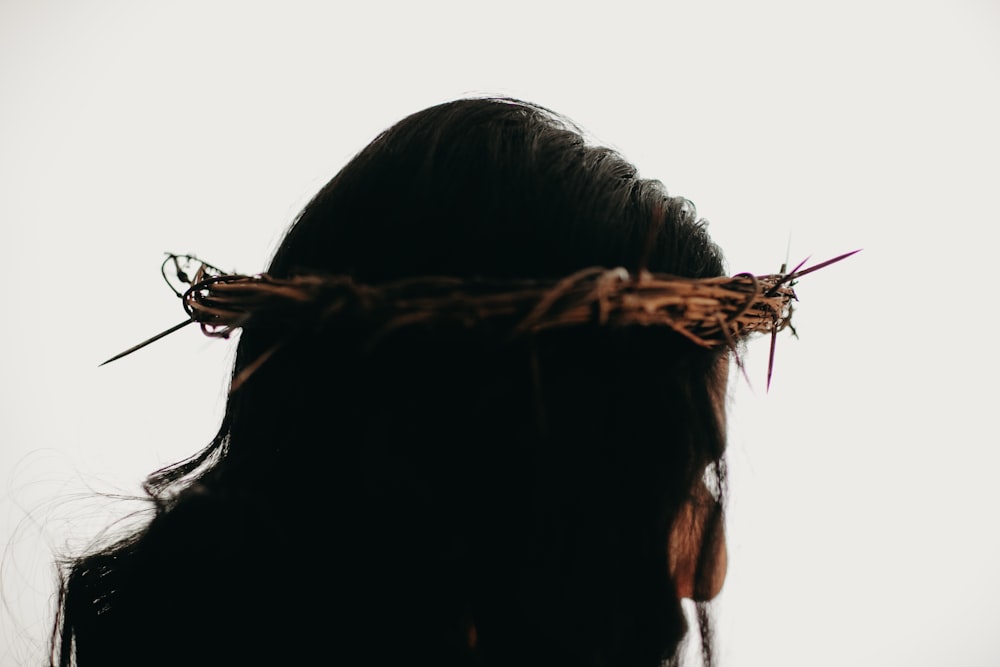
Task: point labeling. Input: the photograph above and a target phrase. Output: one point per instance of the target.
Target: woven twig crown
(710, 312)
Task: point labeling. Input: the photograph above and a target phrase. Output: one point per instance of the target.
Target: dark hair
(444, 497)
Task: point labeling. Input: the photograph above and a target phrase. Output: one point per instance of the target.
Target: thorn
(770, 358)
(147, 342)
(822, 264)
(796, 273)
(799, 265)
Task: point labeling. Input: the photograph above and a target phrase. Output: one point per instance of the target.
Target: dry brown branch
(710, 312)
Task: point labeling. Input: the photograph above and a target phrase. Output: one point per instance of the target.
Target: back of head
(446, 495)
(495, 188)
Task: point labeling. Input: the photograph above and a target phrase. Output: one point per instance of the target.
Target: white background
(862, 526)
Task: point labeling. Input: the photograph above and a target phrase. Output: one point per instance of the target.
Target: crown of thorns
(710, 312)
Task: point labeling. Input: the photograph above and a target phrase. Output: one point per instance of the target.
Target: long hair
(438, 497)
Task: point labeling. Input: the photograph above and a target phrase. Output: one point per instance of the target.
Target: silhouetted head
(456, 496)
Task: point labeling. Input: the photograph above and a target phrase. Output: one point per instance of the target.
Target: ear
(697, 534)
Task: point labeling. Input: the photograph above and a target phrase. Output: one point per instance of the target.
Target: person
(389, 486)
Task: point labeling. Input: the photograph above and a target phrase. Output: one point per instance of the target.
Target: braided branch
(710, 312)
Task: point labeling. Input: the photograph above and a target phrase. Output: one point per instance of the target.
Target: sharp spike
(798, 274)
(147, 342)
(770, 358)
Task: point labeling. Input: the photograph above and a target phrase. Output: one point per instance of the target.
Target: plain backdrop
(862, 524)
